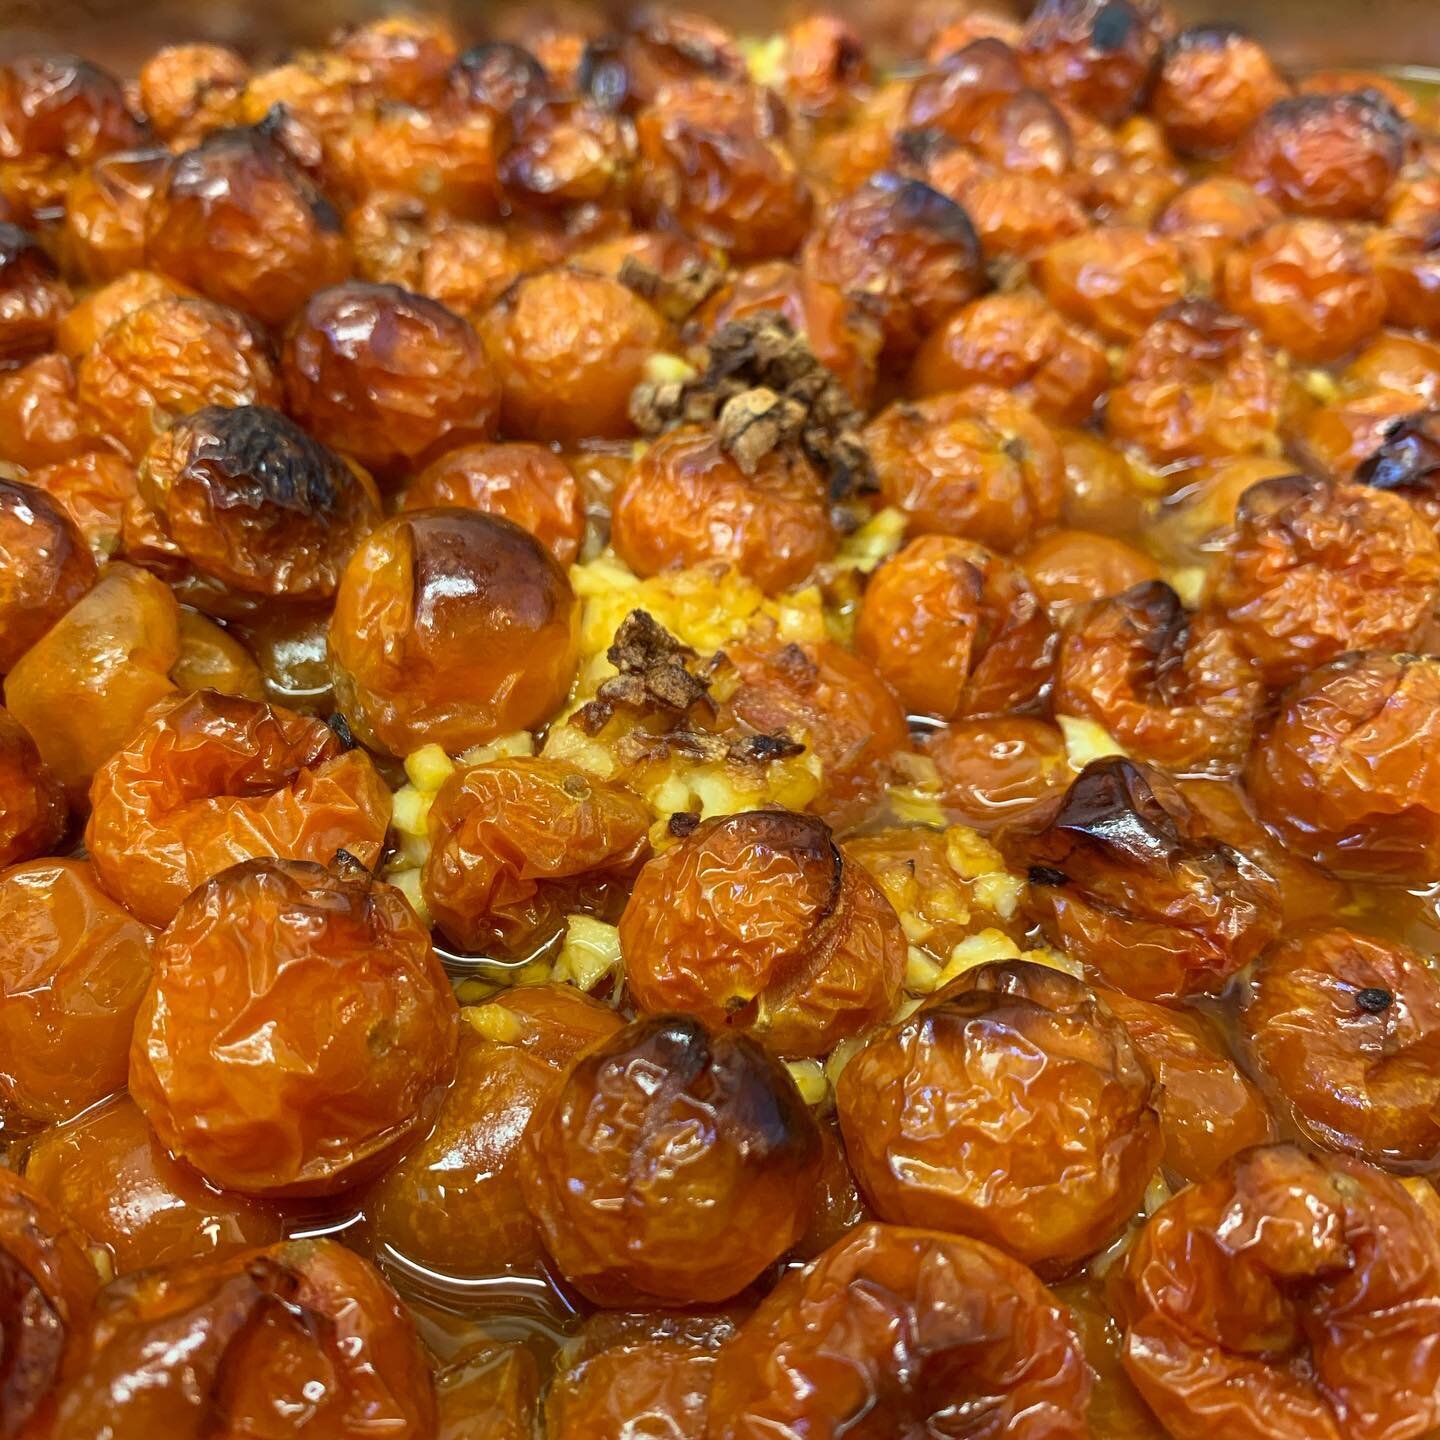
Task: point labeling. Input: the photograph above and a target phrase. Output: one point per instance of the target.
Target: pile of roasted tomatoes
(720, 737)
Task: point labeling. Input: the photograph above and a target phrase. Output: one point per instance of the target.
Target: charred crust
(677, 297)
(683, 823)
(1408, 457)
(656, 675)
(1374, 999)
(340, 729)
(763, 389)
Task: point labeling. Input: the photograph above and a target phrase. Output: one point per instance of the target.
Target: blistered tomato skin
(1287, 1298)
(1407, 463)
(100, 308)
(955, 630)
(516, 843)
(1117, 279)
(39, 415)
(910, 251)
(757, 922)
(72, 972)
(1020, 343)
(1199, 385)
(977, 464)
(1308, 287)
(33, 297)
(453, 1203)
(830, 700)
(299, 1338)
(997, 771)
(33, 810)
(1208, 1109)
(108, 1171)
(1042, 1093)
(642, 1370)
(387, 376)
(327, 968)
(1214, 83)
(105, 209)
(1346, 771)
(251, 501)
(1124, 878)
(1099, 55)
(83, 690)
(568, 348)
(895, 1329)
(638, 1200)
(1067, 568)
(47, 1283)
(190, 89)
(1344, 1028)
(1209, 215)
(712, 159)
(164, 360)
(94, 489)
(406, 57)
(45, 567)
(1315, 569)
(528, 484)
(212, 780)
(238, 221)
(687, 501)
(451, 627)
(1329, 155)
(1172, 688)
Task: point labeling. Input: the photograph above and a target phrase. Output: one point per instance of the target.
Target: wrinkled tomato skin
(1345, 1029)
(910, 251)
(34, 814)
(1210, 215)
(829, 699)
(1209, 1110)
(711, 162)
(568, 348)
(49, 1283)
(1406, 462)
(1314, 569)
(39, 414)
(955, 630)
(84, 689)
(513, 843)
(334, 970)
(527, 484)
(453, 1203)
(45, 567)
(387, 376)
(451, 627)
(33, 297)
(757, 921)
(236, 220)
(1043, 1094)
(649, 1373)
(1117, 279)
(212, 780)
(491, 1390)
(105, 209)
(1334, 156)
(998, 771)
(1099, 57)
(408, 57)
(72, 972)
(976, 464)
(686, 502)
(1307, 286)
(1199, 385)
(1287, 1297)
(213, 659)
(1068, 568)
(1214, 84)
(190, 89)
(99, 309)
(1020, 343)
(1346, 772)
(94, 489)
(1175, 689)
(251, 501)
(638, 1205)
(108, 1170)
(164, 360)
(299, 1338)
(1124, 878)
(890, 1331)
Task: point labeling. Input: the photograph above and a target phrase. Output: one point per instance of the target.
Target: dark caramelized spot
(195, 172)
(22, 257)
(340, 728)
(1373, 1000)
(1408, 460)
(500, 75)
(1112, 805)
(1047, 875)
(32, 1340)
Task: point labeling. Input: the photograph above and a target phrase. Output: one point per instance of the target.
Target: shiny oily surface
(720, 735)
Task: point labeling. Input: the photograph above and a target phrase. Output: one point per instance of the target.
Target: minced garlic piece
(591, 951)
(429, 768)
(505, 747)
(1086, 741)
(922, 974)
(810, 1079)
(876, 540)
(1188, 582)
(410, 810)
(663, 368)
(494, 1022)
(407, 882)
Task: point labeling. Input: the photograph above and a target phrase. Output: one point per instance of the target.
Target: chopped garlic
(922, 974)
(662, 368)
(1188, 582)
(1086, 741)
(429, 768)
(876, 540)
(411, 810)
(494, 1022)
(591, 952)
(1000, 893)
(519, 742)
(407, 882)
(970, 855)
(810, 1079)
